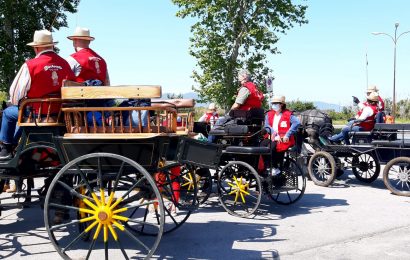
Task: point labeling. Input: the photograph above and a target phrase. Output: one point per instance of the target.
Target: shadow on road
(223, 240)
(26, 225)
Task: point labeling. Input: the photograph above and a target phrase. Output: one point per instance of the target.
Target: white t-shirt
(367, 111)
(275, 123)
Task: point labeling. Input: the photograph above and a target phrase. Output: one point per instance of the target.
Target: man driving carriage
(39, 77)
(380, 105)
(249, 96)
(364, 120)
(281, 125)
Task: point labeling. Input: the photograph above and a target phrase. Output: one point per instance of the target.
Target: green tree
(234, 34)
(300, 106)
(18, 21)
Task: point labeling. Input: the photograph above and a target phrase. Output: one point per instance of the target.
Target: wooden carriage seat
(113, 117)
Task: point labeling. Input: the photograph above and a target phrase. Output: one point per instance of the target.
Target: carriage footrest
(247, 150)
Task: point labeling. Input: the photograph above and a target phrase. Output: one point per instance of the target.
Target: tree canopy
(234, 34)
(18, 21)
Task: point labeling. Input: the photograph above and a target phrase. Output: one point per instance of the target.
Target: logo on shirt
(54, 74)
(284, 124)
(96, 61)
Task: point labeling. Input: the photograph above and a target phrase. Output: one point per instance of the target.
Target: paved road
(349, 220)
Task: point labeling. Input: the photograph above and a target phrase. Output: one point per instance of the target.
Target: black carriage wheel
(179, 191)
(294, 185)
(322, 168)
(108, 187)
(365, 167)
(396, 176)
(239, 189)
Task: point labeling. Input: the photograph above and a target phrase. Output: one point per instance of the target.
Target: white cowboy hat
(278, 99)
(373, 96)
(82, 34)
(212, 106)
(372, 88)
(42, 38)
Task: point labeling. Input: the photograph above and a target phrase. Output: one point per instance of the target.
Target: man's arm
(20, 86)
(74, 65)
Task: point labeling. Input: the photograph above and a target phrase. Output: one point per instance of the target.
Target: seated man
(281, 125)
(249, 96)
(380, 105)
(39, 77)
(365, 120)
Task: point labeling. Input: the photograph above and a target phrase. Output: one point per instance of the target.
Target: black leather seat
(247, 150)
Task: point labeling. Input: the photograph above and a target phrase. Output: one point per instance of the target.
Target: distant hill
(319, 104)
(327, 106)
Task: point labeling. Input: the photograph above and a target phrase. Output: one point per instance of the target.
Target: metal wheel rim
(104, 222)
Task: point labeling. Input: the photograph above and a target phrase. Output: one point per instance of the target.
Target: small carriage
(369, 149)
(242, 178)
(111, 186)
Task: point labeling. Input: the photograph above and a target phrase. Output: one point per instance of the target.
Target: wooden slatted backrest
(110, 92)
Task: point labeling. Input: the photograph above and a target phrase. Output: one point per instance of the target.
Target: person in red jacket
(89, 67)
(86, 63)
(39, 77)
(281, 125)
(249, 96)
(364, 120)
(211, 115)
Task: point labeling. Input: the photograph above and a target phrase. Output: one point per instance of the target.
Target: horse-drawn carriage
(385, 144)
(241, 176)
(109, 185)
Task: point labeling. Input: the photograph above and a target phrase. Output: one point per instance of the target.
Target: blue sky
(325, 60)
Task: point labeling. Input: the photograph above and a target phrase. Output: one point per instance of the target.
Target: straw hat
(373, 96)
(278, 99)
(372, 88)
(212, 106)
(42, 38)
(82, 34)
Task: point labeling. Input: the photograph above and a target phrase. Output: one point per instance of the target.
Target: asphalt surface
(349, 220)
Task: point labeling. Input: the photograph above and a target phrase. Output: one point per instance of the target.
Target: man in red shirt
(89, 67)
(248, 95)
(86, 63)
(39, 77)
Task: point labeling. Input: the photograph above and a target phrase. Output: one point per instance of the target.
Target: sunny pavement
(349, 220)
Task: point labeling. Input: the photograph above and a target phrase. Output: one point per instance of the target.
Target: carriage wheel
(239, 189)
(322, 168)
(179, 190)
(396, 176)
(365, 167)
(108, 186)
(295, 184)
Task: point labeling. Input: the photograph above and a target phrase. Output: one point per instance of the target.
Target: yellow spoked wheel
(95, 203)
(239, 189)
(103, 215)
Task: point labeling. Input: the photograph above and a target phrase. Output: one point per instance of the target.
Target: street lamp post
(395, 39)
